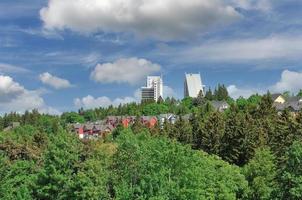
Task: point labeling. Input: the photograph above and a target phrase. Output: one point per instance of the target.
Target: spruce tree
(209, 95)
(211, 133)
(233, 138)
(183, 131)
(261, 173)
(199, 100)
(291, 184)
(283, 135)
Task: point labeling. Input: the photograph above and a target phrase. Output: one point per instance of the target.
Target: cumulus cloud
(236, 92)
(54, 81)
(89, 102)
(130, 70)
(164, 20)
(9, 89)
(14, 97)
(290, 81)
(242, 50)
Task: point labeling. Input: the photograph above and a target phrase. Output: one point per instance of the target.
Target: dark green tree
(56, 178)
(239, 139)
(199, 100)
(261, 173)
(211, 133)
(209, 95)
(291, 184)
(182, 131)
(299, 93)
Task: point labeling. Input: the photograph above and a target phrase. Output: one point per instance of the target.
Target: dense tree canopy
(249, 151)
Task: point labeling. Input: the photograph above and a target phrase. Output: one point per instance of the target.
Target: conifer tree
(1, 123)
(261, 173)
(209, 95)
(211, 132)
(183, 131)
(199, 100)
(240, 137)
(291, 184)
(233, 138)
(298, 126)
(283, 135)
(266, 107)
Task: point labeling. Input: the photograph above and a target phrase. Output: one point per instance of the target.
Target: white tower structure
(193, 85)
(153, 89)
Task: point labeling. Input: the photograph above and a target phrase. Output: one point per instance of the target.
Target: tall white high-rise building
(193, 85)
(153, 89)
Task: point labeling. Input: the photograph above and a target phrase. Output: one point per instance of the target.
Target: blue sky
(60, 55)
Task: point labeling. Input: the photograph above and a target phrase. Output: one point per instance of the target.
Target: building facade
(193, 85)
(153, 89)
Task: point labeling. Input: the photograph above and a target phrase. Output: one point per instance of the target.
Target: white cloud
(92, 102)
(169, 92)
(9, 89)
(14, 97)
(89, 101)
(164, 20)
(7, 68)
(130, 70)
(290, 81)
(242, 50)
(53, 81)
(236, 92)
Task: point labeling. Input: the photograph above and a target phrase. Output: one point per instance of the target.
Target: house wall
(280, 99)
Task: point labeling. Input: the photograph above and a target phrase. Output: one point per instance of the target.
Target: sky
(61, 55)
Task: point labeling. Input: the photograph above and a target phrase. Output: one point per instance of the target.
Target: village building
(220, 105)
(278, 98)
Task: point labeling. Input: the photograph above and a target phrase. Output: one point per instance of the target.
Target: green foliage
(221, 93)
(88, 116)
(209, 95)
(242, 103)
(93, 175)
(41, 160)
(200, 100)
(286, 94)
(16, 179)
(291, 180)
(155, 168)
(187, 102)
(155, 109)
(261, 173)
(211, 132)
(1, 123)
(181, 131)
(239, 139)
(72, 117)
(60, 164)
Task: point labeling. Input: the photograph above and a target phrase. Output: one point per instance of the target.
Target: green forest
(250, 151)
